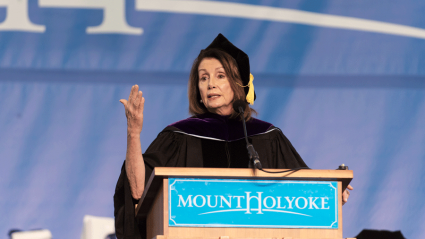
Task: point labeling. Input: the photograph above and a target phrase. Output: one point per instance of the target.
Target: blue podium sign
(197, 202)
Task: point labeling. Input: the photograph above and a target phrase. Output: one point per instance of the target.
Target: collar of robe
(218, 127)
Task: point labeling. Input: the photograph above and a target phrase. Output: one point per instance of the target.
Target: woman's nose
(212, 83)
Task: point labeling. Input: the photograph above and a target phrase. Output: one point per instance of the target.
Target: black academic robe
(207, 140)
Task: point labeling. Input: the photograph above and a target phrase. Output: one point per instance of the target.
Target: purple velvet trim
(220, 127)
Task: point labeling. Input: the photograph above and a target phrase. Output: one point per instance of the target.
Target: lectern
(242, 203)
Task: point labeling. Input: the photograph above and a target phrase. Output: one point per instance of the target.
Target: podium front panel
(154, 204)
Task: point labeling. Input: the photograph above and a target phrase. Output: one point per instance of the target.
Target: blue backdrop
(344, 80)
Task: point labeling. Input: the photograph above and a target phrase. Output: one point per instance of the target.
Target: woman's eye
(221, 76)
(203, 78)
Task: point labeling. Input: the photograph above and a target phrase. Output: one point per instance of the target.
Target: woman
(213, 137)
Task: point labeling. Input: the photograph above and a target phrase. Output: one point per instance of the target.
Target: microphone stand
(238, 106)
(253, 155)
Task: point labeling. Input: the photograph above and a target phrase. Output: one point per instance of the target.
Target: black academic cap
(242, 59)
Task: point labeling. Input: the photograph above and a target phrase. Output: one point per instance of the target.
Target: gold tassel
(250, 95)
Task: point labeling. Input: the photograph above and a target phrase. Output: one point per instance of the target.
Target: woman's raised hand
(134, 164)
(134, 110)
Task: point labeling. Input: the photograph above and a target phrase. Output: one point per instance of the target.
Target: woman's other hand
(346, 194)
(134, 110)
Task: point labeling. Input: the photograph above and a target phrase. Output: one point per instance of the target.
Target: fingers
(133, 94)
(134, 110)
(141, 102)
(346, 194)
(135, 99)
(124, 102)
(135, 102)
(136, 95)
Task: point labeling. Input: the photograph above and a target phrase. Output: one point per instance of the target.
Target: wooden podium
(153, 206)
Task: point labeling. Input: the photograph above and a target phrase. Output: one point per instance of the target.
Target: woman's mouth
(213, 96)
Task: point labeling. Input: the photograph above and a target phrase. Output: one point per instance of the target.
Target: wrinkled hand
(346, 194)
(134, 110)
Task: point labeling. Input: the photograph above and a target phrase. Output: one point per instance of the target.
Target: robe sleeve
(285, 154)
(165, 150)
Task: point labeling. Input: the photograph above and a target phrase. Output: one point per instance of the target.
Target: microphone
(239, 106)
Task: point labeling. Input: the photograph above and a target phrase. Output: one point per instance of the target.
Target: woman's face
(214, 86)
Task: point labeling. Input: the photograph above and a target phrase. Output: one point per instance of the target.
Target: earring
(200, 101)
